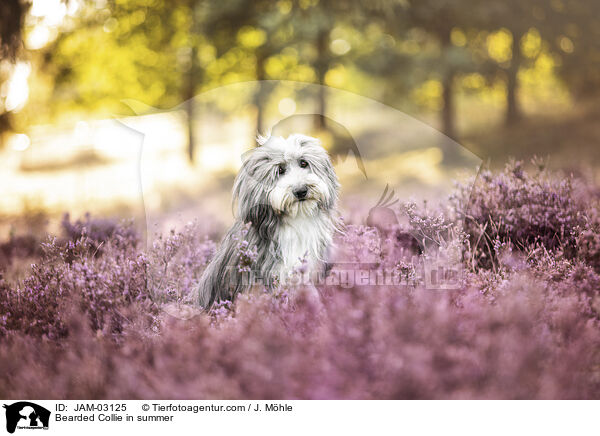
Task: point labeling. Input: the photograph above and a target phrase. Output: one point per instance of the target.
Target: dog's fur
(287, 232)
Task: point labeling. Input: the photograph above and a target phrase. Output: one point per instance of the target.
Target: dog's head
(285, 177)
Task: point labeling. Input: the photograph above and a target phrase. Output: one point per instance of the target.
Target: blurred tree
(141, 49)
(12, 19)
(438, 18)
(518, 17)
(170, 50)
(167, 51)
(193, 77)
(572, 27)
(262, 29)
(387, 50)
(125, 49)
(314, 21)
(445, 18)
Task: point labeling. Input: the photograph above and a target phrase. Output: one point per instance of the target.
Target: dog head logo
(26, 415)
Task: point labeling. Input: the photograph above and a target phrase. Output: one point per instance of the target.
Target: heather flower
(75, 273)
(176, 262)
(588, 239)
(523, 321)
(98, 231)
(247, 253)
(521, 209)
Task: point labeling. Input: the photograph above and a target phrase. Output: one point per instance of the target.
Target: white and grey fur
(286, 192)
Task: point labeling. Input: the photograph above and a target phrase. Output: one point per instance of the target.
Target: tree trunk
(513, 111)
(448, 111)
(191, 80)
(259, 96)
(190, 115)
(320, 120)
(322, 65)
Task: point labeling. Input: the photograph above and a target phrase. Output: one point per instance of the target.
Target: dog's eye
(281, 170)
(303, 163)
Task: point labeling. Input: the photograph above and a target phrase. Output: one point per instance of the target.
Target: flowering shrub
(98, 231)
(588, 240)
(71, 275)
(176, 262)
(93, 319)
(521, 209)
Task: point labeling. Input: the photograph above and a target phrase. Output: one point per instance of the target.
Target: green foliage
(135, 49)
(163, 52)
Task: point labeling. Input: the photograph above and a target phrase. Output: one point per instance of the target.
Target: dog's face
(292, 177)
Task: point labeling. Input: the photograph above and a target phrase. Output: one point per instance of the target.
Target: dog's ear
(249, 195)
(263, 218)
(333, 184)
(253, 207)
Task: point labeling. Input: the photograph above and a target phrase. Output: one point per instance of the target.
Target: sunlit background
(127, 107)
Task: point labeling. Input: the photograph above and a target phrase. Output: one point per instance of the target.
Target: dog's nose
(300, 193)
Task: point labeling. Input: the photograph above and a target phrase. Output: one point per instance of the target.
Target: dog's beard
(285, 203)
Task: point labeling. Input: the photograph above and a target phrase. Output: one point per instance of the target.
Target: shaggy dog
(284, 200)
